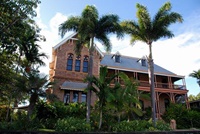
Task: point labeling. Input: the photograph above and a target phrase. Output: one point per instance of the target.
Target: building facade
(68, 71)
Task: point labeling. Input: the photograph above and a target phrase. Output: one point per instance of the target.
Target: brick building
(68, 71)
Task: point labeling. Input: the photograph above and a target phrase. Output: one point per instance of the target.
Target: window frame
(70, 62)
(85, 66)
(78, 66)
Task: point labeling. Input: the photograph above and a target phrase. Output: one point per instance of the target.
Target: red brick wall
(61, 74)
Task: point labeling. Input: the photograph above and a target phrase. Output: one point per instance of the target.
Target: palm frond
(144, 19)
(110, 24)
(105, 41)
(71, 24)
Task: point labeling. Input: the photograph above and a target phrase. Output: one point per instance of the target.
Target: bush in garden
(136, 125)
(49, 113)
(140, 125)
(20, 122)
(72, 124)
(76, 110)
(3, 113)
(45, 111)
(185, 118)
(162, 126)
(193, 118)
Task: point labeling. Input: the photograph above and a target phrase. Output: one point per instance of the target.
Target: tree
(101, 87)
(125, 97)
(149, 30)
(194, 97)
(34, 84)
(196, 74)
(89, 27)
(13, 14)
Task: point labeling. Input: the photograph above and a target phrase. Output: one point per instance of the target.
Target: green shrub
(72, 124)
(3, 113)
(136, 125)
(45, 111)
(185, 118)
(4, 125)
(162, 126)
(140, 125)
(76, 110)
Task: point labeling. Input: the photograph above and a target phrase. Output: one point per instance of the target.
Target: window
(85, 64)
(83, 97)
(143, 62)
(75, 97)
(78, 64)
(117, 58)
(69, 62)
(67, 97)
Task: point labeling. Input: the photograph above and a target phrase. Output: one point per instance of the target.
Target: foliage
(76, 110)
(125, 99)
(4, 112)
(176, 112)
(20, 122)
(162, 126)
(72, 124)
(131, 126)
(185, 118)
(196, 74)
(139, 125)
(49, 113)
(193, 97)
(101, 87)
(45, 111)
(13, 15)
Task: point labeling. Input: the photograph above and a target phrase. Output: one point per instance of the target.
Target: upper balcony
(162, 85)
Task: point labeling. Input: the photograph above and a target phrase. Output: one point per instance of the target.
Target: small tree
(101, 87)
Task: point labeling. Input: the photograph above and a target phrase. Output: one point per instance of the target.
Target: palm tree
(196, 74)
(29, 48)
(101, 87)
(89, 27)
(149, 30)
(33, 83)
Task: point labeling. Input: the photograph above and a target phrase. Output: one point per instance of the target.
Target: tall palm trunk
(100, 116)
(152, 85)
(33, 100)
(90, 70)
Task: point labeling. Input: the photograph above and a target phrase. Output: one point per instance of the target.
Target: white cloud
(50, 31)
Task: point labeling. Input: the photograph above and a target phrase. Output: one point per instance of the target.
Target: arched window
(70, 61)
(78, 63)
(85, 64)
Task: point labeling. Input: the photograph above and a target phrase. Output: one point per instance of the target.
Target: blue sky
(179, 54)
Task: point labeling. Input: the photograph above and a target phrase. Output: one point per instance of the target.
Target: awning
(77, 86)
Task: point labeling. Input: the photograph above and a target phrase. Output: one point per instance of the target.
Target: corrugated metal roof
(78, 86)
(131, 63)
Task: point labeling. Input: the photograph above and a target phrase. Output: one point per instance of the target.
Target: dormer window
(117, 58)
(143, 62)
